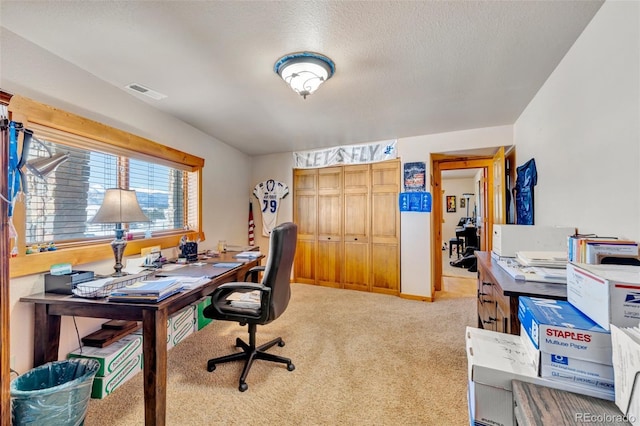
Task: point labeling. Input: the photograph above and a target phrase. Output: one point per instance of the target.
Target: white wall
(33, 72)
(415, 259)
(583, 129)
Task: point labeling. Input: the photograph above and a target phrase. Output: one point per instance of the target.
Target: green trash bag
(56, 393)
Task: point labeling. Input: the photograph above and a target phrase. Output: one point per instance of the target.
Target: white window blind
(59, 208)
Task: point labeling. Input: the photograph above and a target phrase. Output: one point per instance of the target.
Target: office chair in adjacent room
(274, 290)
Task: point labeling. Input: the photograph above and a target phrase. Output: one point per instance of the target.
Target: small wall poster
(414, 177)
(415, 202)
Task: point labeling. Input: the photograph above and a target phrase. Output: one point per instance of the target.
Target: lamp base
(118, 245)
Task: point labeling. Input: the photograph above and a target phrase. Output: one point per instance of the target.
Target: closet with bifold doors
(348, 226)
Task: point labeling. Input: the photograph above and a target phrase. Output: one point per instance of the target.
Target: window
(59, 207)
(168, 184)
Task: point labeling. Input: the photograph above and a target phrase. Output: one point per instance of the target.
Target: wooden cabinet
(498, 295)
(349, 226)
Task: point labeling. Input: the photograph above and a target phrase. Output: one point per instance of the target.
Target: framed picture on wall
(451, 203)
(463, 203)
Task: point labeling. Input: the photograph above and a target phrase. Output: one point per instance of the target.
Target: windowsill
(29, 264)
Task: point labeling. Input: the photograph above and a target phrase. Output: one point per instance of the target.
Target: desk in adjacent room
(50, 307)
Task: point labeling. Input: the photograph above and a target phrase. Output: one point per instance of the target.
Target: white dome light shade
(304, 72)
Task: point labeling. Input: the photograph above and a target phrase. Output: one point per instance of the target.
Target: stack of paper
(245, 300)
(147, 291)
(544, 259)
(248, 255)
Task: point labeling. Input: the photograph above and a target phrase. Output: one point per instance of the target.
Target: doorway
(460, 214)
(444, 162)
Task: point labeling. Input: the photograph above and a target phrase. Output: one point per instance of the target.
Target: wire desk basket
(103, 287)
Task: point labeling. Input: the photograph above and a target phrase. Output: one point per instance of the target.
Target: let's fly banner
(345, 154)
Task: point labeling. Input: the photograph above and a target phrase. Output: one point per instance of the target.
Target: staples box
(608, 294)
(508, 239)
(494, 360)
(112, 357)
(560, 366)
(557, 327)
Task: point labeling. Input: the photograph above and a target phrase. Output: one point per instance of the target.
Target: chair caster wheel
(243, 387)
(211, 367)
(281, 343)
(238, 342)
(291, 367)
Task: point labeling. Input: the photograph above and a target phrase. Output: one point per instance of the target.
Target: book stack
(589, 248)
(150, 291)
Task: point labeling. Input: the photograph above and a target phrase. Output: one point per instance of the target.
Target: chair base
(250, 353)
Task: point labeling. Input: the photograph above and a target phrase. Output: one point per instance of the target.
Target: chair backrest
(277, 273)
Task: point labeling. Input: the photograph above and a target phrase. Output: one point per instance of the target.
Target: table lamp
(119, 206)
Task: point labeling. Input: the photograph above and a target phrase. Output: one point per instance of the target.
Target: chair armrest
(254, 273)
(224, 290)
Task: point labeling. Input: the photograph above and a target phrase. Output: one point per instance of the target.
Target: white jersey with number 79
(270, 192)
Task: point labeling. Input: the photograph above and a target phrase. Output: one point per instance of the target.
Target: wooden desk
(50, 307)
(498, 294)
(535, 405)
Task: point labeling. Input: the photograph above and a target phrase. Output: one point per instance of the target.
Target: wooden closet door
(328, 263)
(385, 227)
(305, 184)
(356, 263)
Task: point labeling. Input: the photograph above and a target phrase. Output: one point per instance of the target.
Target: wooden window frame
(109, 139)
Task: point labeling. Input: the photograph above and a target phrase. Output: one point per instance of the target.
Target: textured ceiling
(403, 68)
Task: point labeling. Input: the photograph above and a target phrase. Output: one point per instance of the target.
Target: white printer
(508, 239)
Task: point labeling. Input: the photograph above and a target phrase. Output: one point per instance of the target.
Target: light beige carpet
(361, 359)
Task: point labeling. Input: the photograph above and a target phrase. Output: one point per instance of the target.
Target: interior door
(356, 266)
(328, 264)
(385, 227)
(304, 215)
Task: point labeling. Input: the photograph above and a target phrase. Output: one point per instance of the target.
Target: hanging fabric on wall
(527, 178)
(270, 192)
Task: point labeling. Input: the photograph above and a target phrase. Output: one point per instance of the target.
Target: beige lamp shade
(119, 206)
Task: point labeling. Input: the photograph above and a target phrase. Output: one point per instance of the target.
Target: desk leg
(46, 335)
(154, 329)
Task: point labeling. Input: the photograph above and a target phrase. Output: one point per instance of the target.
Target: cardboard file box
(494, 360)
(119, 362)
(183, 324)
(626, 367)
(112, 357)
(179, 326)
(556, 327)
(608, 294)
(103, 386)
(509, 239)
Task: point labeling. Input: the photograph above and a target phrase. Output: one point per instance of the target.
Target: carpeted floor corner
(360, 358)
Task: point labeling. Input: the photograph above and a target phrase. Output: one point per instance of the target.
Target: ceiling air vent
(145, 91)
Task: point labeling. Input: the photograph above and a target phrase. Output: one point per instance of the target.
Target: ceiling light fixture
(304, 72)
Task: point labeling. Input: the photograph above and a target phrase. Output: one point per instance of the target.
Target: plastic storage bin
(56, 393)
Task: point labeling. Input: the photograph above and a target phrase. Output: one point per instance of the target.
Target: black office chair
(274, 290)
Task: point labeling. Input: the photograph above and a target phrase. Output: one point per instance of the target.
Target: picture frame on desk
(451, 203)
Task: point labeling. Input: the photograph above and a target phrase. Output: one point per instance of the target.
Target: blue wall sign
(415, 202)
